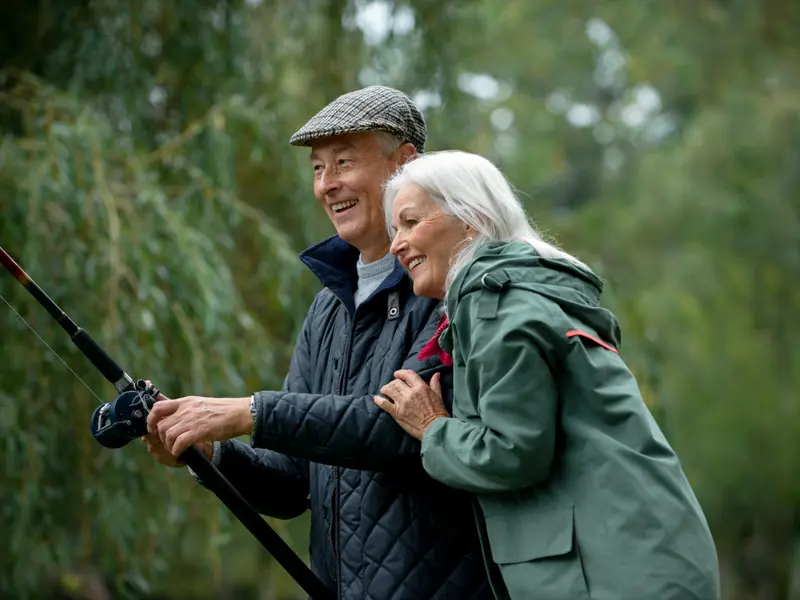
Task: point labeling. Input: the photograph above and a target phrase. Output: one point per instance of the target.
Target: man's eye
(344, 162)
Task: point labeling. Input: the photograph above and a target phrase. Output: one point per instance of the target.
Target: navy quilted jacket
(381, 528)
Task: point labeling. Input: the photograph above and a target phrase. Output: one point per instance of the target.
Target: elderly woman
(580, 494)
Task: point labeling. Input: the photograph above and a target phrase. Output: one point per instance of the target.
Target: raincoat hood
(574, 288)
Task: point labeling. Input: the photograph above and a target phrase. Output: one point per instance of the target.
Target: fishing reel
(117, 423)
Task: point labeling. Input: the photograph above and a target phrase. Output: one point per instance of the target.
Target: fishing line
(41, 339)
(115, 424)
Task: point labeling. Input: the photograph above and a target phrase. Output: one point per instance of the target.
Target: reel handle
(116, 423)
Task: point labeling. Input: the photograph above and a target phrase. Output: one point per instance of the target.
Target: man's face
(349, 173)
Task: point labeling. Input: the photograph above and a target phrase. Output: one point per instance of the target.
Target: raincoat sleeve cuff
(430, 436)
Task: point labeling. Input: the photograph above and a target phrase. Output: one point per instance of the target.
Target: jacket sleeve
(507, 362)
(346, 431)
(274, 484)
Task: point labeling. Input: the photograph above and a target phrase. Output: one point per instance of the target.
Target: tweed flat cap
(373, 108)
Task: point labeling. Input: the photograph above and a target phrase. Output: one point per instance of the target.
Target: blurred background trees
(147, 184)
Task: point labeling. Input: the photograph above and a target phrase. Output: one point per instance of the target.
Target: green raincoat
(580, 494)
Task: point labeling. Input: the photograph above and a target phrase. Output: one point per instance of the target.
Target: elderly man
(380, 527)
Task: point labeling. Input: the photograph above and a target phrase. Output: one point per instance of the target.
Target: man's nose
(329, 180)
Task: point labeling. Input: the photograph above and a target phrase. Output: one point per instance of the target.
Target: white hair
(475, 191)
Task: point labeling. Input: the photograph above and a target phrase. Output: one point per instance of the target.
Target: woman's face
(425, 239)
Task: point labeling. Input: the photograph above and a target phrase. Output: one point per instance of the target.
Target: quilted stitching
(401, 535)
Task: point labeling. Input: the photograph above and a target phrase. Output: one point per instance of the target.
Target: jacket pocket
(538, 553)
(516, 537)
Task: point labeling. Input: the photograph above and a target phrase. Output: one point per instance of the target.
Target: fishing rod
(115, 424)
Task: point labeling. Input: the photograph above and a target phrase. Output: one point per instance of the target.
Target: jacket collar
(333, 261)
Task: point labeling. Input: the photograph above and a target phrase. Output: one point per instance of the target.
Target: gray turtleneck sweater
(371, 275)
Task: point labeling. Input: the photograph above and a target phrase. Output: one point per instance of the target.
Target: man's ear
(406, 152)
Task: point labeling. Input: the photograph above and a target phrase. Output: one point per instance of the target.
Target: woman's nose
(398, 243)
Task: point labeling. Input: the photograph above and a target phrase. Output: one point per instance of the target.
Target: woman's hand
(192, 420)
(412, 403)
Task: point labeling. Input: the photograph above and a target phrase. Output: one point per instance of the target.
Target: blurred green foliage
(147, 184)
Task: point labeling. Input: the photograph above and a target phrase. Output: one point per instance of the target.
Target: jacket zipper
(334, 500)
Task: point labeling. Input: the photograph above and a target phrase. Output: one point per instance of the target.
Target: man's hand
(180, 423)
(157, 450)
(412, 403)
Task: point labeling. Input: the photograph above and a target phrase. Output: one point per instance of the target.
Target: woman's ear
(470, 231)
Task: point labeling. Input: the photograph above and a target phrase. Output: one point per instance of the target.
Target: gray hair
(475, 191)
(388, 142)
